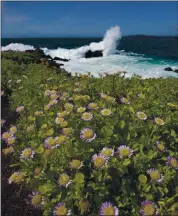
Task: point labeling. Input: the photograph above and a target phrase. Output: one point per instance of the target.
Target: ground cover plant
(89, 146)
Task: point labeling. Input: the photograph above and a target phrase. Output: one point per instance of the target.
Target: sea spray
(108, 46)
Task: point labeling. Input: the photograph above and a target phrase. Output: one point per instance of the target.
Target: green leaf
(40, 149)
(79, 178)
(173, 133)
(122, 124)
(13, 165)
(149, 196)
(126, 162)
(47, 188)
(142, 179)
(132, 110)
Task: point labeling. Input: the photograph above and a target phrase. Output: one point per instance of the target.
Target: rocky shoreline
(41, 58)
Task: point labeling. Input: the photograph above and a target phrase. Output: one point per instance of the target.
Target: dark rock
(168, 69)
(52, 63)
(37, 51)
(49, 57)
(60, 59)
(91, 54)
(176, 70)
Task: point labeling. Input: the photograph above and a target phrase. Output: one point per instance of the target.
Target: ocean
(146, 56)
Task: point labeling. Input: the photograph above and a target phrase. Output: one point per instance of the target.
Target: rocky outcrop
(60, 59)
(176, 70)
(168, 69)
(94, 54)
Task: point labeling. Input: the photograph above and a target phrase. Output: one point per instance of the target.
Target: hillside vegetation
(89, 146)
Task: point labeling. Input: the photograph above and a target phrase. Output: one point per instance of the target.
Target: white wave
(145, 67)
(17, 47)
(108, 46)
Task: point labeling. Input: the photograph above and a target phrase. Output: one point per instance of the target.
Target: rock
(168, 69)
(49, 57)
(176, 70)
(52, 63)
(94, 54)
(60, 59)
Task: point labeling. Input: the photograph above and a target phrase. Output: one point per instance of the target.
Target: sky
(88, 19)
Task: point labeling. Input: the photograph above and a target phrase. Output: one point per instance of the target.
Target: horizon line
(132, 35)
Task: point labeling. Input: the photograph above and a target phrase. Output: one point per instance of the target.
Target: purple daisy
(159, 121)
(37, 200)
(99, 160)
(107, 152)
(61, 210)
(87, 116)
(148, 208)
(124, 151)
(51, 143)
(93, 106)
(155, 175)
(27, 154)
(141, 115)
(20, 109)
(124, 100)
(172, 161)
(87, 134)
(108, 209)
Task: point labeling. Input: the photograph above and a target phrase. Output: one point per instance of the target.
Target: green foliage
(123, 179)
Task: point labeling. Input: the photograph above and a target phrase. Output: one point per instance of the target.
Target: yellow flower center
(110, 99)
(64, 179)
(99, 162)
(106, 112)
(53, 96)
(93, 105)
(142, 115)
(107, 152)
(124, 152)
(11, 141)
(19, 109)
(68, 107)
(155, 175)
(6, 135)
(19, 178)
(6, 151)
(109, 211)
(61, 211)
(75, 164)
(13, 177)
(149, 209)
(13, 129)
(64, 124)
(27, 153)
(159, 121)
(51, 142)
(174, 163)
(37, 199)
(161, 147)
(59, 120)
(88, 134)
(80, 109)
(87, 115)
